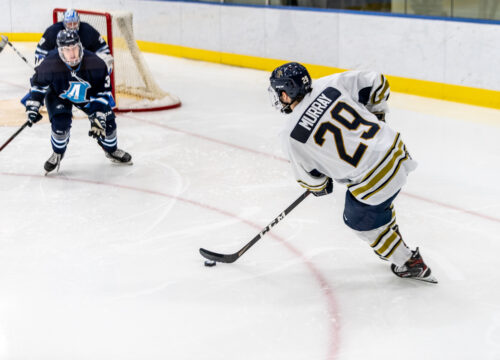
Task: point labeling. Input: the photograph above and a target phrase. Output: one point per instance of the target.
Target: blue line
(351, 12)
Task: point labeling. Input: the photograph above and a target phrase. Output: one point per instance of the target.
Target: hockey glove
(327, 190)
(33, 112)
(97, 125)
(380, 115)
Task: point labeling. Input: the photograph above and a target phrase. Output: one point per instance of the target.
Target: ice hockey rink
(101, 261)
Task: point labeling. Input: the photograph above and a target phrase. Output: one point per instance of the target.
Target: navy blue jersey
(87, 85)
(89, 37)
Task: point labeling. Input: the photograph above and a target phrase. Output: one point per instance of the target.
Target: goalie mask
(71, 20)
(292, 79)
(69, 47)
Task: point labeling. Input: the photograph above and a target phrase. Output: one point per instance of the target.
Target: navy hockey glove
(327, 190)
(380, 115)
(33, 112)
(97, 125)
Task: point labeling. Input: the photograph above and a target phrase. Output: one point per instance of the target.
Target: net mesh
(134, 87)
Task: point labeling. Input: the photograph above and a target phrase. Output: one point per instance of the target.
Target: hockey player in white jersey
(337, 130)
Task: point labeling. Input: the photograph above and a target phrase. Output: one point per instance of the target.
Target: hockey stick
(15, 134)
(230, 258)
(4, 41)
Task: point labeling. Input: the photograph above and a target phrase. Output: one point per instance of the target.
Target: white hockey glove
(97, 125)
(33, 112)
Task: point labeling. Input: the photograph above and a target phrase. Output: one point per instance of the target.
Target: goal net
(133, 85)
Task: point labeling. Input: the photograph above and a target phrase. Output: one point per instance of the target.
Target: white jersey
(333, 133)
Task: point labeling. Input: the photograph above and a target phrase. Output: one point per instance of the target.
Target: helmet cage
(69, 62)
(68, 40)
(274, 96)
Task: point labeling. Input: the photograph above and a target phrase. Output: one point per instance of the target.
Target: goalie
(74, 76)
(89, 37)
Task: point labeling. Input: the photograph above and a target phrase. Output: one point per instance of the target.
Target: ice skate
(414, 268)
(53, 162)
(119, 156)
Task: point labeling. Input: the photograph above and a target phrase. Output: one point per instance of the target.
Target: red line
(203, 137)
(332, 307)
(456, 208)
(470, 212)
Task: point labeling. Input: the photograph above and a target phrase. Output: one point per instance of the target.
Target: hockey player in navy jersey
(71, 76)
(337, 131)
(89, 37)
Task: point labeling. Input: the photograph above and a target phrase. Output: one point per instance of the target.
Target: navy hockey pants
(362, 217)
(61, 116)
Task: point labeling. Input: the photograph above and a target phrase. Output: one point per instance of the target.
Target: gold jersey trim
(319, 187)
(383, 173)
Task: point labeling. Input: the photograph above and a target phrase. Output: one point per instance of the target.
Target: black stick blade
(210, 255)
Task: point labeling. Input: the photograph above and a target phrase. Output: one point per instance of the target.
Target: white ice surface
(101, 262)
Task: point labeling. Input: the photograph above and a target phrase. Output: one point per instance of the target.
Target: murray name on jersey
(87, 86)
(313, 113)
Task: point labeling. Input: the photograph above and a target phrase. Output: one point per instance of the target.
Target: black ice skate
(53, 162)
(119, 156)
(414, 268)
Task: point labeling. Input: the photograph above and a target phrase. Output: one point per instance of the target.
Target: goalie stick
(230, 258)
(4, 41)
(14, 135)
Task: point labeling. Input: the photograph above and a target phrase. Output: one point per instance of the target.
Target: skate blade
(48, 172)
(118, 162)
(430, 279)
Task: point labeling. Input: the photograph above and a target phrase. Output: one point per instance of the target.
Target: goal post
(133, 85)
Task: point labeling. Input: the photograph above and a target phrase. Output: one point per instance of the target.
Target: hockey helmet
(67, 40)
(291, 78)
(71, 20)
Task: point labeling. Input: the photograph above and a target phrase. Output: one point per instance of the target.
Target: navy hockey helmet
(291, 78)
(71, 20)
(66, 41)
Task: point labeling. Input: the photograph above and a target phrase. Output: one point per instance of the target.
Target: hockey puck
(210, 263)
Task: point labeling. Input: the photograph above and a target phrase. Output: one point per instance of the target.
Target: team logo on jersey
(77, 92)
